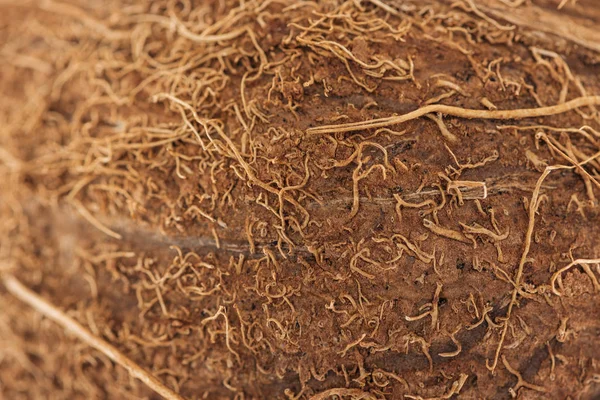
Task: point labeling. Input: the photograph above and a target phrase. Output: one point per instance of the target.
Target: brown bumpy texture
(200, 183)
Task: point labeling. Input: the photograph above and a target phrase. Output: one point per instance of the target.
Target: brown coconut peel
(300, 200)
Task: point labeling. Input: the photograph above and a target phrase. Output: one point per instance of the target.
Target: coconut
(300, 200)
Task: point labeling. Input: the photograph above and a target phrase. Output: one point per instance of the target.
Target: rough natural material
(362, 199)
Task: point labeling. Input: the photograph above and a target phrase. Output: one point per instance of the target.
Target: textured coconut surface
(300, 200)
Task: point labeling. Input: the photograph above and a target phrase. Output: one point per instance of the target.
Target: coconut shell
(300, 200)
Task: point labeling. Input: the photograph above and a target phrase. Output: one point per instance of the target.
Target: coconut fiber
(362, 199)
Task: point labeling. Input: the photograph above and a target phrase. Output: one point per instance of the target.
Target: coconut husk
(300, 200)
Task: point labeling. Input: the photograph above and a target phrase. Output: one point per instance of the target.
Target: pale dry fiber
(300, 200)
